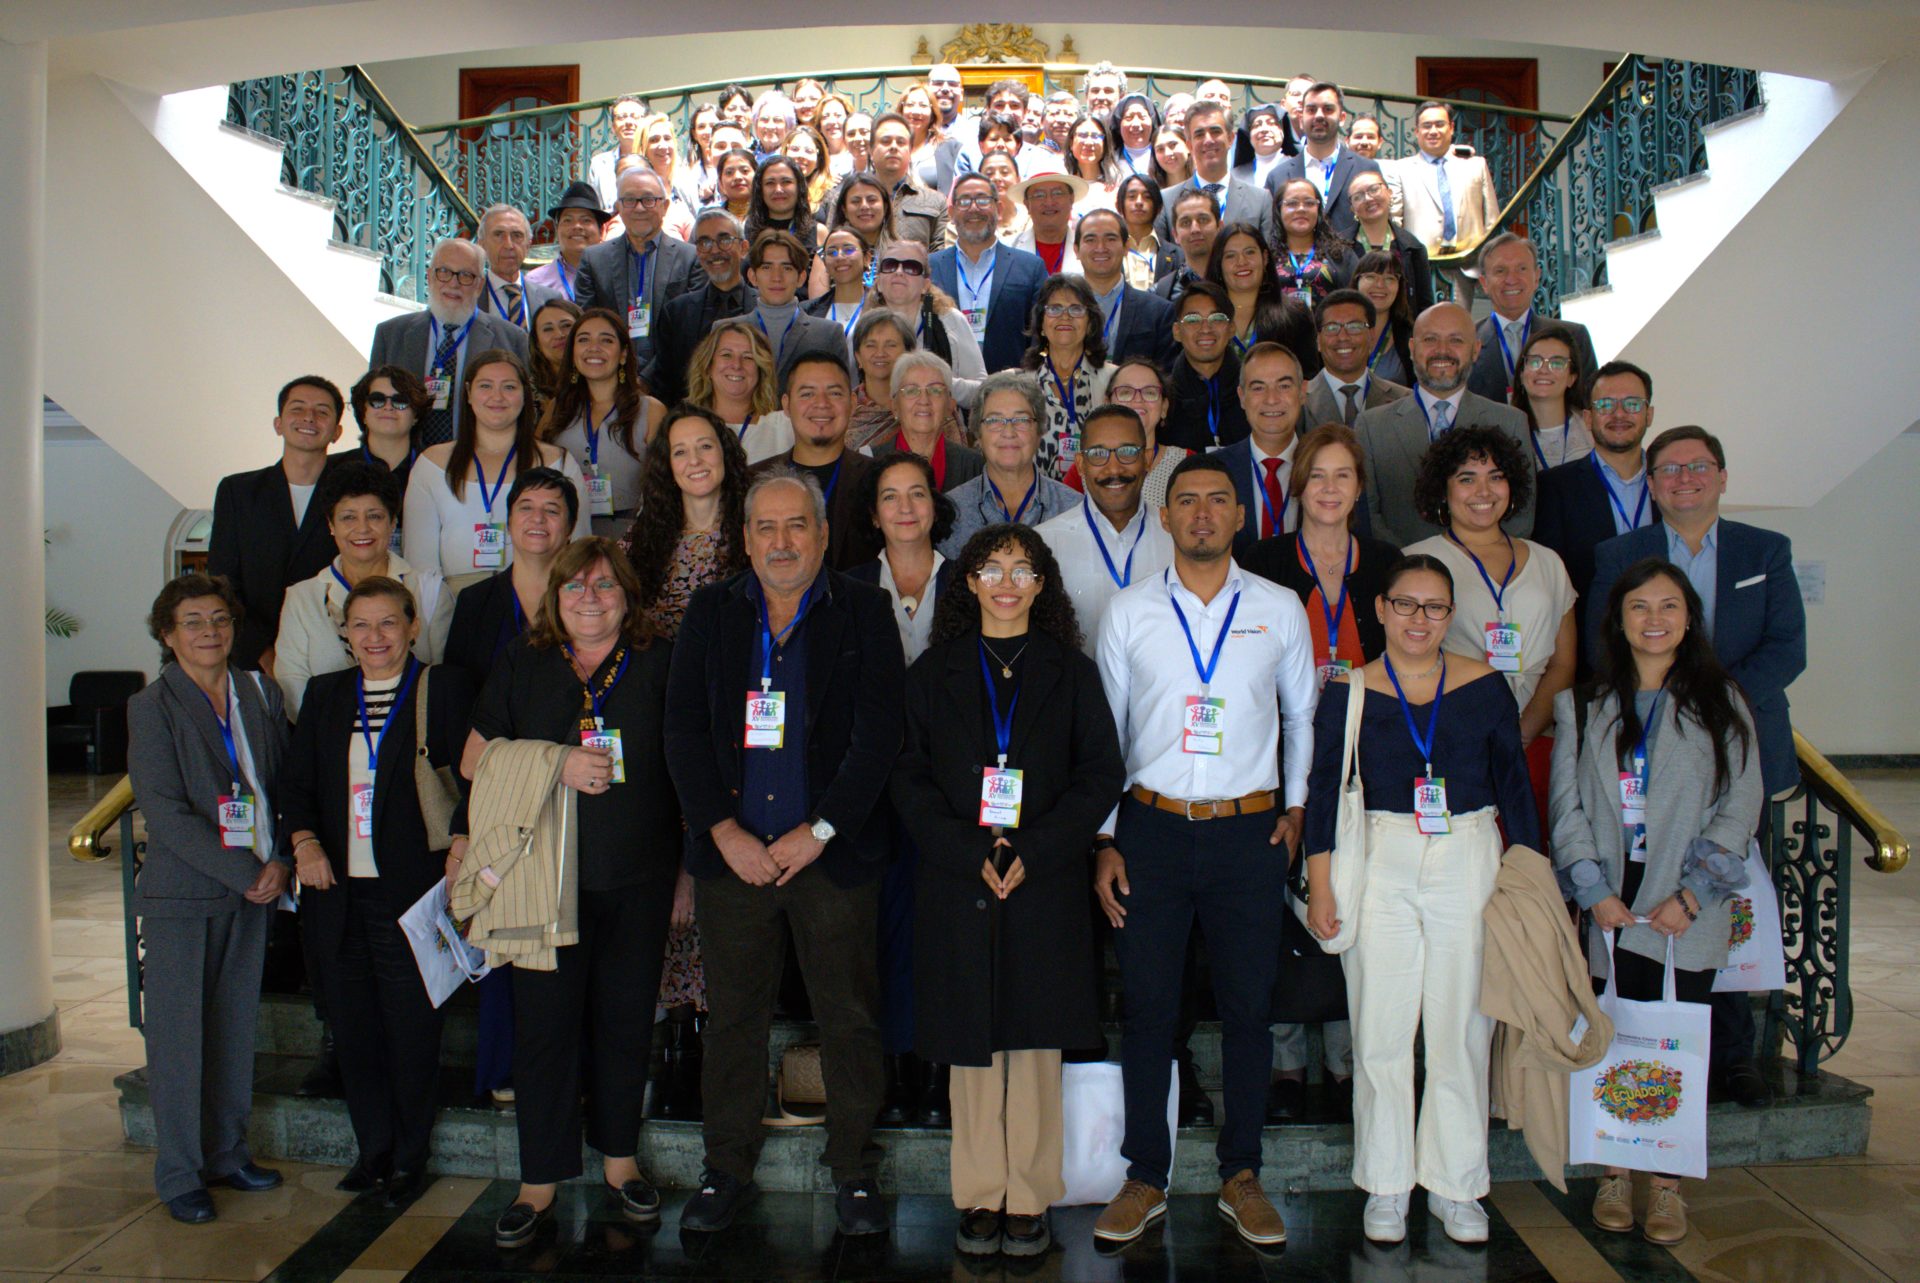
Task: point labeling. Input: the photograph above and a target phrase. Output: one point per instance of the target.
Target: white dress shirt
(1265, 677)
(1290, 517)
(916, 630)
(1078, 538)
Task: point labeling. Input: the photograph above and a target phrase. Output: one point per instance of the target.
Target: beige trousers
(1006, 1133)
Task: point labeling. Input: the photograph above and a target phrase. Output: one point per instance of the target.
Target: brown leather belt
(1211, 809)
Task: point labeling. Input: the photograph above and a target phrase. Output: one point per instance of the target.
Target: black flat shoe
(979, 1232)
(250, 1179)
(519, 1223)
(403, 1187)
(637, 1199)
(1026, 1236)
(363, 1177)
(857, 1207)
(717, 1201)
(1743, 1083)
(195, 1207)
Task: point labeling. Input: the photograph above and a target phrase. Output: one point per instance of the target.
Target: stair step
(1820, 1118)
(1727, 122)
(1685, 180)
(277, 146)
(1638, 238)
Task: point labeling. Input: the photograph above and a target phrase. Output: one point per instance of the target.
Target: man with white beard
(436, 343)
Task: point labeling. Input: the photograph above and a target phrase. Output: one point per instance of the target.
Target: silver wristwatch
(822, 831)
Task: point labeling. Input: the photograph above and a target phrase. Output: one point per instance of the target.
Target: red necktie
(1276, 506)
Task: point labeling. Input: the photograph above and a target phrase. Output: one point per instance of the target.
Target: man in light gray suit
(436, 343)
(1396, 436)
(1210, 143)
(505, 238)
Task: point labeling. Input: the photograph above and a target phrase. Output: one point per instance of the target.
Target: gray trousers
(202, 995)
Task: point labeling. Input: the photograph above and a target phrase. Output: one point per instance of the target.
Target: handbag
(438, 793)
(1348, 875)
(1093, 1123)
(1756, 958)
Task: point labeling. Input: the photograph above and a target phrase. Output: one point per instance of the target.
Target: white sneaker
(1465, 1222)
(1385, 1220)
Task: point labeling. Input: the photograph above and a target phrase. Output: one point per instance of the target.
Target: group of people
(1100, 599)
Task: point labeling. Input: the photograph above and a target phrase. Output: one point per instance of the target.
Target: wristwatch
(822, 831)
(1102, 842)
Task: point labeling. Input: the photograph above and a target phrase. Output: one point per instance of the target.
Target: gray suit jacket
(1245, 203)
(1395, 437)
(1681, 805)
(1325, 406)
(178, 764)
(404, 340)
(606, 280)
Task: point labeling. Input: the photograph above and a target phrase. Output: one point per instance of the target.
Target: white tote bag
(1093, 1118)
(1644, 1106)
(1348, 874)
(1756, 959)
(445, 960)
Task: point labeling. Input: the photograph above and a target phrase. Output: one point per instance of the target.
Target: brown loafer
(1243, 1202)
(1135, 1207)
(1666, 1216)
(1613, 1204)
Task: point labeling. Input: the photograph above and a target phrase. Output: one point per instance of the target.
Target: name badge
(489, 546)
(1334, 668)
(1205, 727)
(236, 821)
(610, 741)
(1503, 647)
(1633, 798)
(639, 319)
(441, 388)
(1430, 805)
(393, 540)
(599, 491)
(766, 719)
(1637, 849)
(363, 810)
(1000, 792)
(977, 320)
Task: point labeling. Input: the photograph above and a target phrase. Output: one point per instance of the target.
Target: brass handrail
(862, 73)
(84, 838)
(1890, 848)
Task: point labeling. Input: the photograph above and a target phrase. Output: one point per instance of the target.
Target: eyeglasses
(839, 251)
(383, 400)
(973, 202)
(1191, 319)
(576, 588)
(1368, 192)
(1007, 424)
(1075, 310)
(1099, 454)
(1434, 610)
(1300, 206)
(904, 266)
(642, 202)
(1698, 468)
(1334, 329)
(921, 391)
(446, 274)
(1631, 404)
(1558, 364)
(194, 625)
(993, 575)
(1126, 396)
(726, 240)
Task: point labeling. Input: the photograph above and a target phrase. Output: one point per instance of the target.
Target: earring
(623, 375)
(574, 377)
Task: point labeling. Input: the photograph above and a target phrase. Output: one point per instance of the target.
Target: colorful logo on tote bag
(1742, 931)
(1639, 1091)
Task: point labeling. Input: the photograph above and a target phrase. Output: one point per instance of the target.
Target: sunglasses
(384, 400)
(904, 266)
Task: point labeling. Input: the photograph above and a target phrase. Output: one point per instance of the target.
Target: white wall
(107, 527)
(427, 90)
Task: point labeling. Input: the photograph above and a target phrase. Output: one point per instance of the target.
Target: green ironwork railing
(526, 158)
(345, 141)
(1645, 126)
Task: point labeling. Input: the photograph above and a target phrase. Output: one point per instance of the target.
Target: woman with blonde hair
(732, 374)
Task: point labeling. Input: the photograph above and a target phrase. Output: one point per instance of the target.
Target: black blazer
(1145, 329)
(855, 677)
(1573, 515)
(606, 280)
(1346, 163)
(851, 537)
(484, 621)
(1020, 973)
(313, 791)
(1187, 404)
(1278, 559)
(258, 548)
(680, 326)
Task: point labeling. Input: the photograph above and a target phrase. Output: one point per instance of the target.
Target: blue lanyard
(967, 290)
(459, 341)
(833, 481)
(519, 315)
(519, 611)
(1513, 562)
(1506, 354)
(1640, 505)
(339, 578)
(593, 438)
(1014, 517)
(1113, 317)
(768, 640)
(1213, 408)
(1379, 346)
(599, 698)
(1205, 671)
(1640, 745)
(393, 714)
(226, 729)
(1335, 615)
(566, 279)
(1300, 266)
(640, 269)
(1279, 523)
(1425, 746)
(1419, 399)
(1120, 578)
(791, 322)
(747, 423)
(1002, 726)
(1066, 390)
(847, 329)
(500, 479)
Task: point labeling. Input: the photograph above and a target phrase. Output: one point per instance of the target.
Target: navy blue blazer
(1759, 624)
(1145, 329)
(1239, 460)
(1346, 163)
(1489, 375)
(1572, 515)
(1017, 277)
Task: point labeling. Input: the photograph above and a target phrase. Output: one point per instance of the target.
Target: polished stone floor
(76, 1202)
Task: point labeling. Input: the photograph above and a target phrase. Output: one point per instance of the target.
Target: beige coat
(519, 882)
(1534, 982)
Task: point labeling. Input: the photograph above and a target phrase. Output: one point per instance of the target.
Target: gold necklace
(1006, 665)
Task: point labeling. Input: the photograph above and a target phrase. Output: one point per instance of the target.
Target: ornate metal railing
(526, 158)
(344, 141)
(1813, 835)
(87, 841)
(1645, 126)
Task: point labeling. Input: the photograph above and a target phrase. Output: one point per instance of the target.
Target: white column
(28, 1032)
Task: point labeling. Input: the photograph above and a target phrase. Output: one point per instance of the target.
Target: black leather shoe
(1286, 1100)
(979, 1232)
(1026, 1236)
(519, 1223)
(1744, 1084)
(936, 1105)
(857, 1206)
(403, 1187)
(717, 1201)
(365, 1175)
(195, 1207)
(897, 1104)
(637, 1199)
(1196, 1107)
(250, 1179)
(1339, 1093)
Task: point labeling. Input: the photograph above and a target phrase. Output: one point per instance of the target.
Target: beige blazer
(1415, 189)
(311, 643)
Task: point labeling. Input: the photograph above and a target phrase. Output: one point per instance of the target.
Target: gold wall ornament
(994, 42)
(922, 56)
(1067, 52)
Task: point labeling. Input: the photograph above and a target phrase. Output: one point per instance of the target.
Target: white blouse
(916, 630)
(1536, 600)
(623, 470)
(438, 530)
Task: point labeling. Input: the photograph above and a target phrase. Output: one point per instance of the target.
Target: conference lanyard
(1379, 346)
(1422, 744)
(226, 730)
(499, 480)
(1121, 578)
(1002, 726)
(596, 700)
(1014, 516)
(1506, 353)
(1426, 411)
(1066, 390)
(459, 341)
(970, 296)
(640, 269)
(1499, 594)
(1213, 409)
(1278, 522)
(519, 314)
(1640, 505)
(1204, 671)
(791, 322)
(374, 745)
(593, 440)
(833, 481)
(847, 329)
(769, 639)
(1113, 316)
(1339, 611)
(566, 280)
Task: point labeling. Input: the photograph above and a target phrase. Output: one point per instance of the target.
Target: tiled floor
(76, 1201)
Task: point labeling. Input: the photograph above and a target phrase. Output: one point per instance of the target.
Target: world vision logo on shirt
(1251, 630)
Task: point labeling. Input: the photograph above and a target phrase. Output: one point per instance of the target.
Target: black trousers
(743, 941)
(385, 1030)
(592, 1014)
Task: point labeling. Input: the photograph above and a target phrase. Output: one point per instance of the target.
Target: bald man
(1395, 436)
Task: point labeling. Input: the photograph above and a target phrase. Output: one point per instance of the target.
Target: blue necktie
(1447, 225)
(1214, 190)
(1442, 416)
